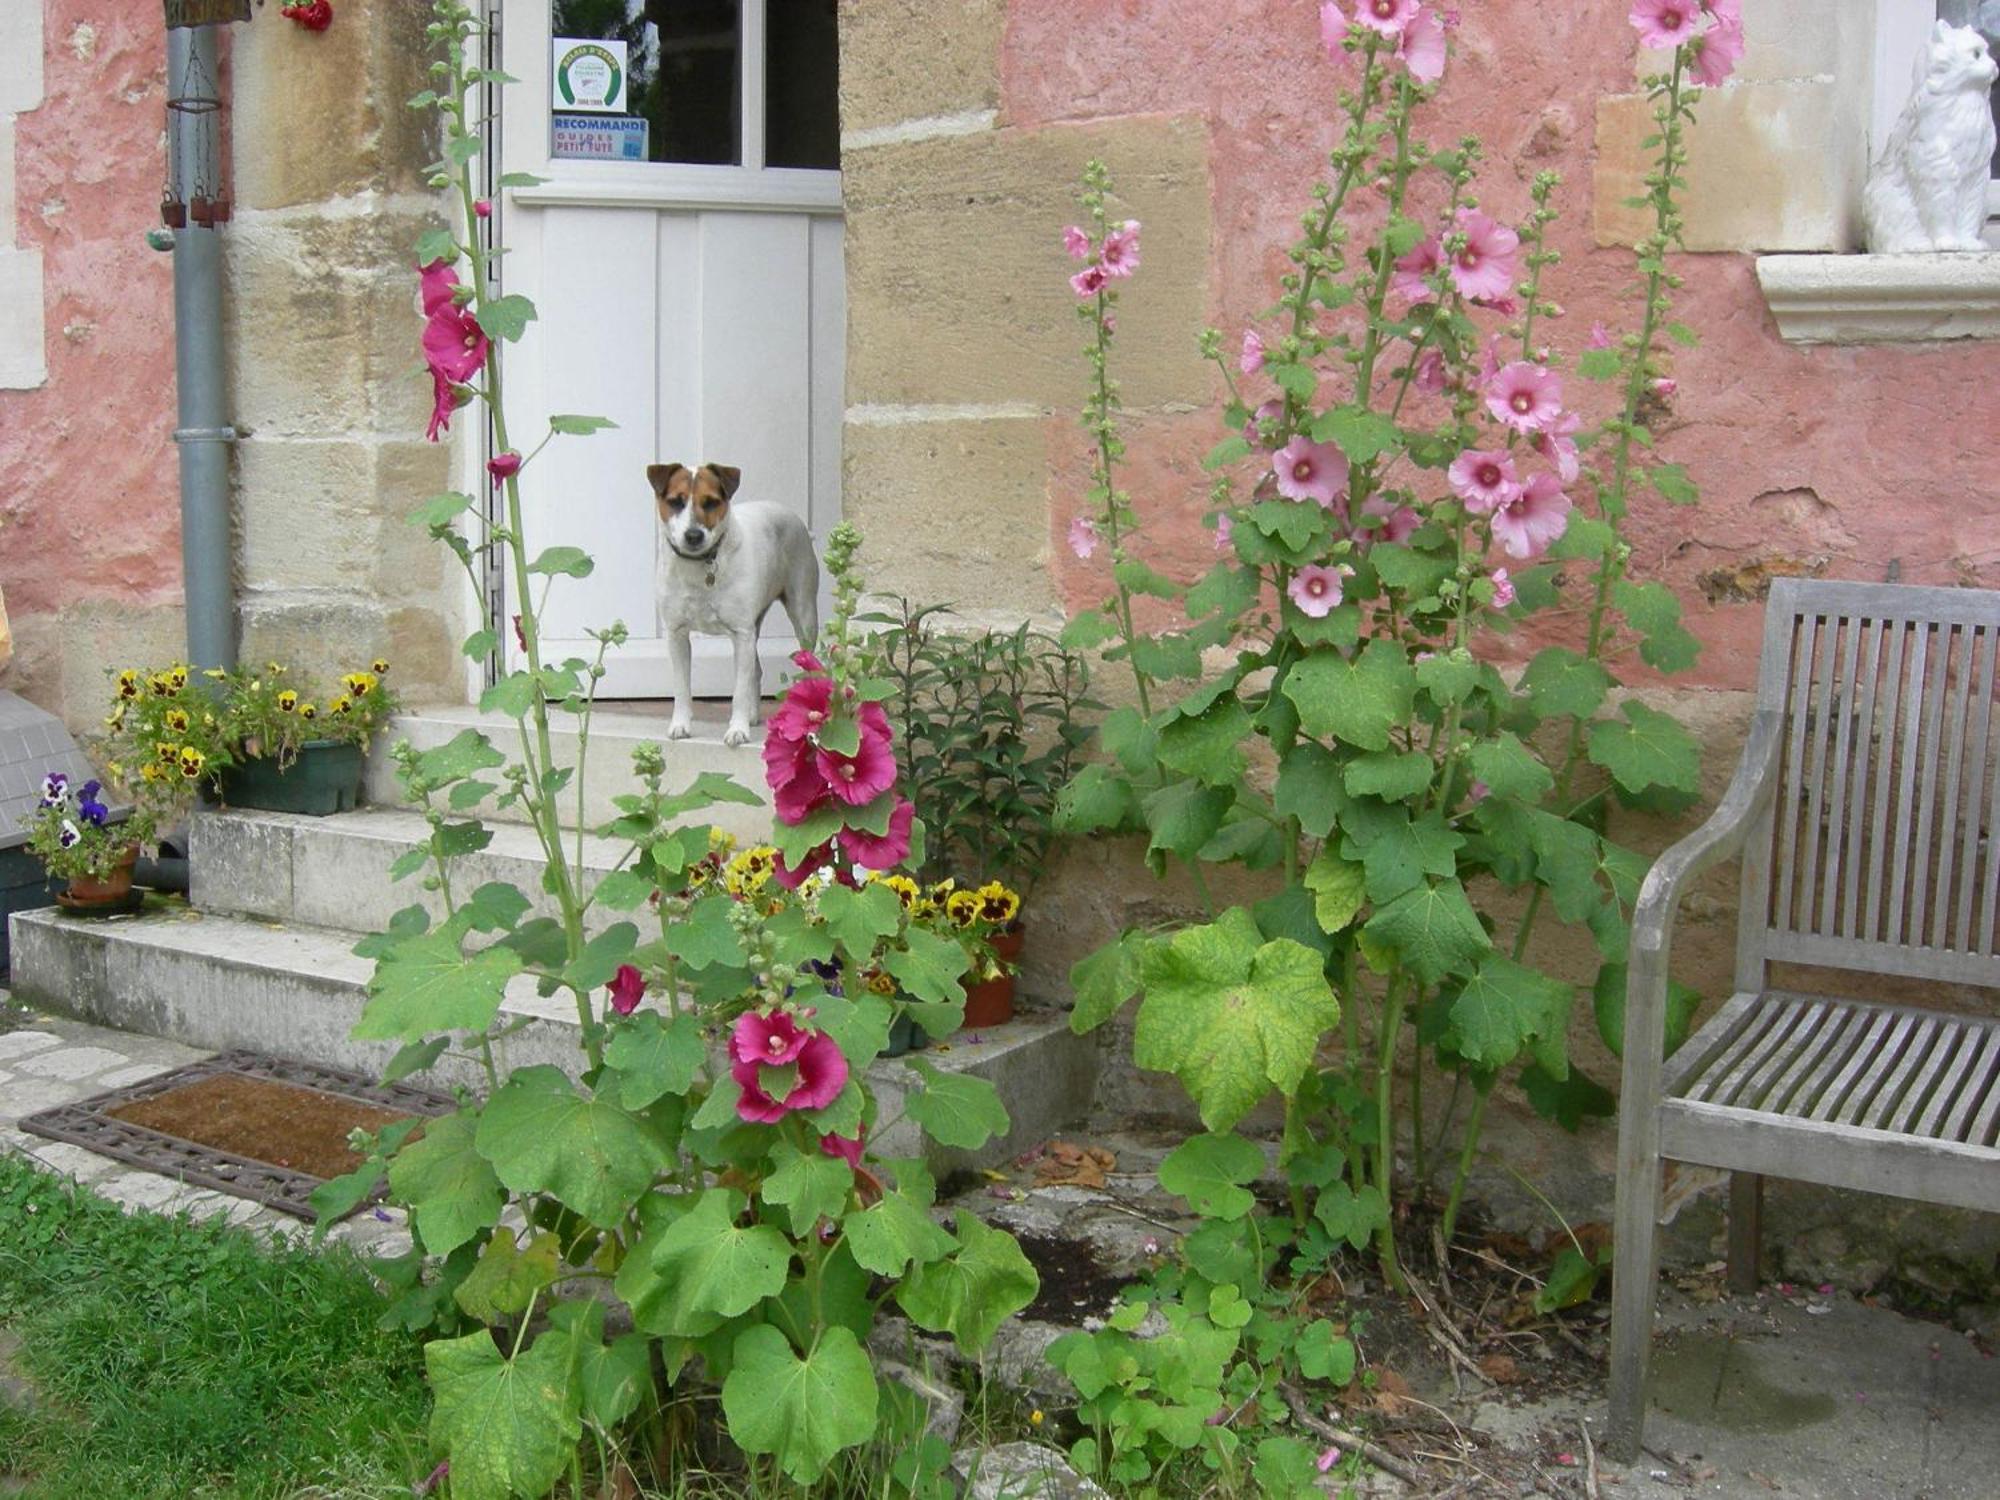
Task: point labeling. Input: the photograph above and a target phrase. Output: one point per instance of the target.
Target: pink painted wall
(89, 506)
(1872, 459)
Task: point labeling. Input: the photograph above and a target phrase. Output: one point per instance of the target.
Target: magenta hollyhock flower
(804, 710)
(811, 1078)
(444, 401)
(1503, 589)
(805, 661)
(1398, 521)
(860, 778)
(803, 794)
(1557, 444)
(454, 344)
(776, 1039)
(1120, 255)
(627, 986)
(1524, 395)
(1485, 266)
(1484, 479)
(437, 281)
(887, 851)
(1526, 525)
(1332, 27)
(1077, 243)
(1310, 471)
(1089, 281)
(1251, 360)
(1411, 279)
(848, 1150)
(1083, 537)
(503, 466)
(1316, 590)
(1428, 376)
(1421, 47)
(1388, 17)
(791, 877)
(1664, 23)
(1225, 533)
(1717, 51)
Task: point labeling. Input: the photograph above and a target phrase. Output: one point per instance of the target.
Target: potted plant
(296, 748)
(165, 740)
(988, 730)
(78, 839)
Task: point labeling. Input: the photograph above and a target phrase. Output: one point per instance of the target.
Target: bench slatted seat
(1865, 812)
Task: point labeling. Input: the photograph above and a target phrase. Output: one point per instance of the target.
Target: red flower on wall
(313, 15)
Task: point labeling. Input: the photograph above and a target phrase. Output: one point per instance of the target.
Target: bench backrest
(1878, 852)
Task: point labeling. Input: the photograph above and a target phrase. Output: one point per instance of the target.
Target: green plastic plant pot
(325, 779)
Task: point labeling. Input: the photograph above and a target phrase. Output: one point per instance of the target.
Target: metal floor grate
(1847, 1062)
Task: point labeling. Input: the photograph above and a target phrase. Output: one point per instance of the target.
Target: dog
(725, 564)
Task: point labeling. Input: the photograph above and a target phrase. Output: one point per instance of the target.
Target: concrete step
(216, 982)
(607, 773)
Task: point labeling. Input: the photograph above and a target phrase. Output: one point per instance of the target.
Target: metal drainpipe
(204, 432)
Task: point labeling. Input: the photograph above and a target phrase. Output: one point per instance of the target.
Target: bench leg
(1634, 1284)
(1746, 1230)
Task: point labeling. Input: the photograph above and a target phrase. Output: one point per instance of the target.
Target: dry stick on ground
(1443, 1334)
(1377, 1455)
(1589, 1459)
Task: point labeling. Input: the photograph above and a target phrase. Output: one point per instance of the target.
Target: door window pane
(802, 84)
(684, 60)
(1983, 16)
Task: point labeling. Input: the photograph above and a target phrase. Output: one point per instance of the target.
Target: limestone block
(318, 116)
(95, 638)
(405, 563)
(320, 632)
(423, 648)
(884, 79)
(957, 286)
(953, 511)
(305, 514)
(20, 57)
(23, 361)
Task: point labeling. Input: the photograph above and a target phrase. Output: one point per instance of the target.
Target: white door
(689, 285)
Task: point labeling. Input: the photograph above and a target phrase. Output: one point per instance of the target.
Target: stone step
(294, 991)
(607, 773)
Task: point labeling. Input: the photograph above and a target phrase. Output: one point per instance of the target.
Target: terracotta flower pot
(109, 889)
(990, 1002)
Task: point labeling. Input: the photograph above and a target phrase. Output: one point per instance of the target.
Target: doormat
(242, 1123)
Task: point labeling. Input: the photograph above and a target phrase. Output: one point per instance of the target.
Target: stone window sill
(1882, 299)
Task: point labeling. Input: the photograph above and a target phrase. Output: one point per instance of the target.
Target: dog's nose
(696, 536)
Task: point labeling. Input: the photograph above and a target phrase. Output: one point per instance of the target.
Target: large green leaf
(808, 1187)
(1231, 1015)
(706, 936)
(449, 1186)
(1210, 1172)
(1208, 746)
(711, 1268)
(956, 1109)
(970, 1294)
(1433, 929)
(425, 985)
(1559, 682)
(1338, 888)
(890, 1234)
(1510, 769)
(614, 1377)
(542, 1136)
(1309, 788)
(1358, 699)
(1608, 1004)
(858, 918)
(1402, 853)
(1104, 981)
(1648, 749)
(1504, 1008)
(507, 1277)
(929, 967)
(1184, 815)
(653, 1056)
(1393, 775)
(507, 1427)
(802, 1411)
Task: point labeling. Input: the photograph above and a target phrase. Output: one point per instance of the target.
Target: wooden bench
(1864, 812)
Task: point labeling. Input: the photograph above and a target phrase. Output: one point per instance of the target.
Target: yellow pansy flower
(177, 720)
(128, 683)
(287, 701)
(192, 761)
(307, 711)
(997, 904)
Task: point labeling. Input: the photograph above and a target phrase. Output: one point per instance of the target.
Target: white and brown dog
(725, 564)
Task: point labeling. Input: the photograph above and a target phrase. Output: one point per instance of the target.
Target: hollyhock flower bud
(1225, 533)
(626, 989)
(483, 207)
(1503, 589)
(847, 1150)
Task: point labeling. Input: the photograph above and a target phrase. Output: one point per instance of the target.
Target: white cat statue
(1928, 190)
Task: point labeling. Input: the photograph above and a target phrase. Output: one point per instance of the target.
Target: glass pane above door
(683, 74)
(802, 84)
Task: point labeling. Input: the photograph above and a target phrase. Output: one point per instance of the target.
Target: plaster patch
(83, 41)
(891, 415)
(930, 128)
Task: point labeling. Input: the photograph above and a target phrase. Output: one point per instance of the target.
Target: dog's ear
(659, 476)
(727, 477)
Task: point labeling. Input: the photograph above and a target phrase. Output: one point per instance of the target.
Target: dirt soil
(302, 1129)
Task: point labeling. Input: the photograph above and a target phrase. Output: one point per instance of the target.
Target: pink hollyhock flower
(454, 344)
(1398, 521)
(1526, 525)
(860, 778)
(1486, 266)
(1421, 47)
(1316, 590)
(1727, 12)
(1411, 279)
(1083, 537)
(1717, 51)
(1089, 281)
(444, 401)
(792, 772)
(1557, 444)
(791, 877)
(1332, 28)
(1664, 23)
(1600, 336)
(886, 852)
(1252, 358)
(775, 1039)
(1524, 395)
(1310, 471)
(437, 281)
(1484, 479)
(1225, 533)
(811, 1078)
(1077, 243)
(625, 989)
(504, 466)
(1478, 792)
(807, 703)
(1428, 376)
(1120, 255)
(483, 207)
(841, 1146)
(1388, 17)
(1503, 589)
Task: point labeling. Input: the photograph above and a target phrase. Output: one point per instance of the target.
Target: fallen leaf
(1501, 1369)
(1067, 1165)
(1391, 1396)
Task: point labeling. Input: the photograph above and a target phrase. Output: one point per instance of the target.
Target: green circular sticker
(589, 76)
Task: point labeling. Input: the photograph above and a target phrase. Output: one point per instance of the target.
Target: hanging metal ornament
(194, 193)
(206, 12)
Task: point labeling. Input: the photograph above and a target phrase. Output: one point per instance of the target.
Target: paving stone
(137, 1073)
(71, 1161)
(72, 1063)
(30, 1096)
(15, 1044)
(149, 1191)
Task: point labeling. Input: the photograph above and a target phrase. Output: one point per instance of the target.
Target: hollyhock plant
(1527, 524)
(1317, 590)
(1525, 396)
(1485, 266)
(503, 466)
(1483, 479)
(1503, 589)
(1310, 471)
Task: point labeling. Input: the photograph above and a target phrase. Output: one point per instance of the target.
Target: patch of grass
(171, 1358)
